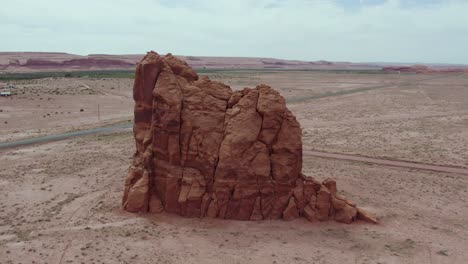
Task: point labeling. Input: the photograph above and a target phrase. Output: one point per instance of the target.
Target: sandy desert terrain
(61, 200)
(53, 105)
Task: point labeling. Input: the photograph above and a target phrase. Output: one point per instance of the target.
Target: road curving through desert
(307, 152)
(365, 89)
(116, 128)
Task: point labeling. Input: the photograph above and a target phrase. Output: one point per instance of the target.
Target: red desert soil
(54, 105)
(56, 207)
(61, 201)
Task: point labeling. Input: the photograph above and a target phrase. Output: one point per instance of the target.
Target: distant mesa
(53, 61)
(14, 62)
(418, 68)
(321, 62)
(192, 58)
(40, 63)
(77, 63)
(276, 63)
(61, 61)
(56, 61)
(415, 68)
(203, 150)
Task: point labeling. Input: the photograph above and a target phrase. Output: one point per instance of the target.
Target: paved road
(49, 138)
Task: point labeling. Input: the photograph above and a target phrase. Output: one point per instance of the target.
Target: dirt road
(387, 162)
(365, 89)
(118, 128)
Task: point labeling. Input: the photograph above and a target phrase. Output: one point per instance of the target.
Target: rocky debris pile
(203, 150)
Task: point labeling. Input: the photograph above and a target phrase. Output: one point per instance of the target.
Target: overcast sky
(337, 30)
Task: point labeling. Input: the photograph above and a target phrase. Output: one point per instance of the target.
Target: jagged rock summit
(203, 150)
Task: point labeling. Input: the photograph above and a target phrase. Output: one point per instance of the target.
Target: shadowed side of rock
(203, 150)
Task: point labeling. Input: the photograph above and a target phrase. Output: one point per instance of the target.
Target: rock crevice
(203, 150)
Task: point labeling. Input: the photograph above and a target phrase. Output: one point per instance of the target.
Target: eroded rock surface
(203, 150)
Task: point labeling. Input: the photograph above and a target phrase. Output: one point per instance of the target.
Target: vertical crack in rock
(204, 150)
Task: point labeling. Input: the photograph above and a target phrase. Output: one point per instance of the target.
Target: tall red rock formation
(203, 150)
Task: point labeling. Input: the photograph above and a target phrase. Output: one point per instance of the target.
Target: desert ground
(53, 105)
(61, 200)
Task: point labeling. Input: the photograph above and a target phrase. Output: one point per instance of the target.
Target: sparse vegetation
(131, 74)
(207, 71)
(76, 74)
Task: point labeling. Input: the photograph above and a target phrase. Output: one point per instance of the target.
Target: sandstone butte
(203, 150)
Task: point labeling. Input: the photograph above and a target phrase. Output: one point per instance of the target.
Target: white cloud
(297, 29)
